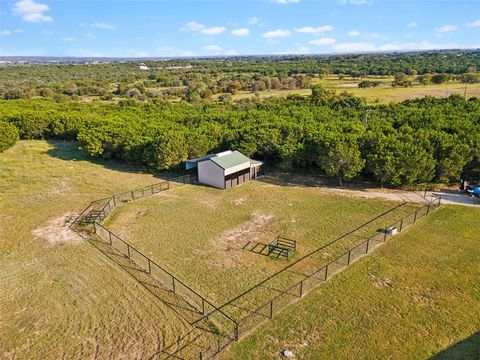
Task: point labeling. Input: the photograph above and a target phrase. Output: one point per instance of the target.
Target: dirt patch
(238, 201)
(231, 241)
(382, 282)
(57, 231)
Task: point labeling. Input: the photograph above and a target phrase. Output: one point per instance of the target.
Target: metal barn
(226, 169)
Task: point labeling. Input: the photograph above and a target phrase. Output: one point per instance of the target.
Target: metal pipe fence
(230, 329)
(270, 308)
(206, 309)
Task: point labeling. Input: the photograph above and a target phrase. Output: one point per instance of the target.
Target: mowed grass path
(417, 297)
(59, 296)
(199, 233)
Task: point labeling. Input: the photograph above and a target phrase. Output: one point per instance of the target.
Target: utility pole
(465, 92)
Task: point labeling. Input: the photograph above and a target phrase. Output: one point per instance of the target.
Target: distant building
(143, 66)
(226, 169)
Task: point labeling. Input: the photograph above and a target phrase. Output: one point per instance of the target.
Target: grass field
(205, 235)
(59, 296)
(417, 297)
(63, 298)
(382, 94)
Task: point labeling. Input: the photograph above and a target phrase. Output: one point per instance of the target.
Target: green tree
(8, 136)
(341, 158)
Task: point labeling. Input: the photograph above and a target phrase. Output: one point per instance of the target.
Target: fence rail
(99, 210)
(273, 306)
(231, 329)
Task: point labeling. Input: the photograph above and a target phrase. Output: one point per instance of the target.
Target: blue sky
(128, 28)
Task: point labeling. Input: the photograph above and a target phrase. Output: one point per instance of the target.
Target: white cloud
(68, 39)
(213, 48)
(412, 24)
(353, 33)
(231, 52)
(31, 11)
(314, 30)
(276, 33)
(253, 20)
(446, 28)
(322, 41)
(241, 32)
(103, 26)
(213, 30)
(5, 32)
(194, 26)
(474, 24)
(356, 2)
(283, 2)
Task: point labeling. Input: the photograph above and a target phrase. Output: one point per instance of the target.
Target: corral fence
(272, 307)
(99, 210)
(225, 328)
(199, 303)
(229, 328)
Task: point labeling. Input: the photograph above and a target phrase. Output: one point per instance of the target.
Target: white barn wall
(210, 173)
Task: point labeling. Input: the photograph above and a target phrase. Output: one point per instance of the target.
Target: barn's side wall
(210, 173)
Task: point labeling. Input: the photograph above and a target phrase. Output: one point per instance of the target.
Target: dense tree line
(197, 79)
(412, 142)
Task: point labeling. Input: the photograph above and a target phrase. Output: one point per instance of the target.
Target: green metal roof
(230, 160)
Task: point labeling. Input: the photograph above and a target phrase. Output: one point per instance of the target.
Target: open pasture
(60, 297)
(215, 240)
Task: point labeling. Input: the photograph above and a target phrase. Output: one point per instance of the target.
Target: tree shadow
(69, 150)
(284, 178)
(466, 349)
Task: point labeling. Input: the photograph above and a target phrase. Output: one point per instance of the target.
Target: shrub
(8, 136)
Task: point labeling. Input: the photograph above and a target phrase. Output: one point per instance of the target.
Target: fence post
(415, 217)
(301, 288)
(385, 235)
(128, 250)
(173, 284)
(114, 202)
(401, 225)
(349, 254)
(151, 189)
(271, 309)
(203, 306)
(326, 272)
(236, 332)
(428, 208)
(110, 237)
(149, 266)
(368, 243)
(133, 197)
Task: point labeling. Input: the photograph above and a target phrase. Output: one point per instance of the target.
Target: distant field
(382, 94)
(59, 296)
(203, 235)
(417, 297)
